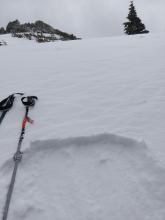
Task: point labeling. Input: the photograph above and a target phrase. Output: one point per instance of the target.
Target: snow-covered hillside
(96, 149)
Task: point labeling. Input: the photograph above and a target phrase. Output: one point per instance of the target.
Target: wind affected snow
(73, 167)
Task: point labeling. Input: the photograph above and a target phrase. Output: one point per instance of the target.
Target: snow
(96, 149)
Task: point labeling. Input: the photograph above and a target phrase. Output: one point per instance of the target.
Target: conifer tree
(134, 24)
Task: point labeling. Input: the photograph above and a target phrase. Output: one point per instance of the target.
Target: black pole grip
(29, 100)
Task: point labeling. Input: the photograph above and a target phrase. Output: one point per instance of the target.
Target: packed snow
(96, 148)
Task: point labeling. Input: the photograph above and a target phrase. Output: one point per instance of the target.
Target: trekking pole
(6, 105)
(28, 102)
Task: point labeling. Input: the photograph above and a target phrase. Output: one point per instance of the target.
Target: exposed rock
(37, 30)
(3, 43)
(2, 30)
(14, 26)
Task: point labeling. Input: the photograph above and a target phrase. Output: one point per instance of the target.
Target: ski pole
(28, 101)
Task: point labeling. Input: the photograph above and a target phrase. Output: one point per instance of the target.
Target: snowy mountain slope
(87, 87)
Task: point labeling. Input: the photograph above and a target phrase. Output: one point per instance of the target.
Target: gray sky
(85, 18)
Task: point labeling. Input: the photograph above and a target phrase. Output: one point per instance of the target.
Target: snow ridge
(88, 140)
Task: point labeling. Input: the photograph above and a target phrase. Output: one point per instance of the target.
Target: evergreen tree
(134, 24)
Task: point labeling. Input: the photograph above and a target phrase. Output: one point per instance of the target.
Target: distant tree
(134, 24)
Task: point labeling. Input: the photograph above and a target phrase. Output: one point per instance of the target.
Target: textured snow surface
(87, 178)
(96, 149)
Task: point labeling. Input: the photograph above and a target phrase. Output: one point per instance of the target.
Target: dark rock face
(36, 29)
(13, 26)
(40, 26)
(3, 43)
(2, 30)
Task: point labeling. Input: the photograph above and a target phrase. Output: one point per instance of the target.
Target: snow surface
(96, 149)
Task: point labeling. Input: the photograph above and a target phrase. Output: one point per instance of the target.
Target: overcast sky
(85, 18)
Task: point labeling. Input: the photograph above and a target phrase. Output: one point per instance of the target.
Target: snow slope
(73, 167)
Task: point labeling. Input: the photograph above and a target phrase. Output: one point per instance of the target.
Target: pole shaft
(17, 160)
(10, 191)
